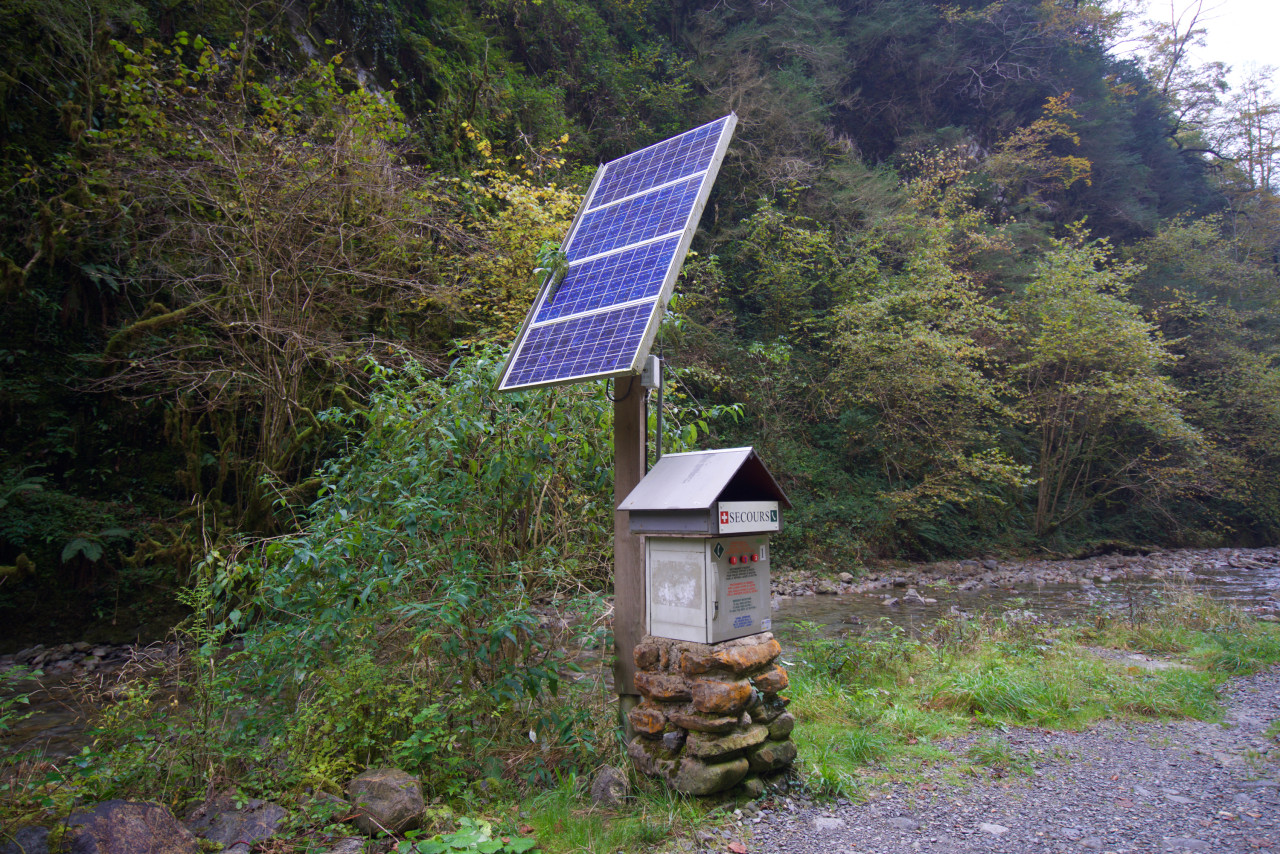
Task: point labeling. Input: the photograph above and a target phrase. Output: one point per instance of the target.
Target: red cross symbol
(724, 517)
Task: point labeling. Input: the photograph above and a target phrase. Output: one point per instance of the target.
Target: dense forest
(973, 280)
(970, 281)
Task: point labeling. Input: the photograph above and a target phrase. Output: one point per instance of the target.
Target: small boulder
(715, 697)
(696, 777)
(28, 840)
(771, 756)
(650, 655)
(126, 827)
(752, 786)
(651, 757)
(610, 787)
(767, 709)
(662, 686)
(782, 726)
(702, 723)
(221, 820)
(743, 657)
(386, 799)
(707, 746)
(647, 718)
(772, 681)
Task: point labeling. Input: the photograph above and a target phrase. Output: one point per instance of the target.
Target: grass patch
(563, 820)
(873, 707)
(996, 755)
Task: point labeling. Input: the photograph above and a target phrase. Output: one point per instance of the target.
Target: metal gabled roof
(698, 479)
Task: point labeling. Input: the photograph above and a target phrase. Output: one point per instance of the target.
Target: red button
(755, 558)
(733, 560)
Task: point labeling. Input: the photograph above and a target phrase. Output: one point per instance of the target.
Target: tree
(1035, 163)
(916, 367)
(1250, 131)
(1194, 91)
(1105, 415)
(1216, 305)
(275, 243)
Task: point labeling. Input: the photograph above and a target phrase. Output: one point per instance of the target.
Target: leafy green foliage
(471, 835)
(1107, 416)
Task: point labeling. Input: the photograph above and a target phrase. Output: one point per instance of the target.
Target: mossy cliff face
(712, 716)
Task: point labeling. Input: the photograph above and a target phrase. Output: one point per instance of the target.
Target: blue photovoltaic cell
(665, 161)
(635, 220)
(580, 347)
(618, 277)
(624, 251)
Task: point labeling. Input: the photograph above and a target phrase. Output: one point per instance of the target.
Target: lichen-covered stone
(752, 786)
(610, 787)
(701, 723)
(26, 840)
(772, 681)
(651, 654)
(387, 800)
(648, 719)
(696, 659)
(696, 777)
(771, 756)
(222, 819)
(651, 758)
(782, 726)
(123, 827)
(707, 746)
(766, 709)
(718, 697)
(663, 686)
(746, 657)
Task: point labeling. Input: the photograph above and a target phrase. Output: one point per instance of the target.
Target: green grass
(869, 710)
(995, 754)
(872, 708)
(564, 820)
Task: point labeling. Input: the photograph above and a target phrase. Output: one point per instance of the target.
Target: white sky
(1245, 34)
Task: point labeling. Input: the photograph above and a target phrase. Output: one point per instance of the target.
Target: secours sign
(744, 517)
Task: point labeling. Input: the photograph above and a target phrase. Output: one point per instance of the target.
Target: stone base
(711, 714)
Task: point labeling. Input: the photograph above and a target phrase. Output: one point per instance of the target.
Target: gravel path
(1175, 787)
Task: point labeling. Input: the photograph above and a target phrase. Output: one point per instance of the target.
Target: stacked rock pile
(712, 717)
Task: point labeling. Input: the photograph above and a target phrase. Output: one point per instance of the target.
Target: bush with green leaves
(435, 605)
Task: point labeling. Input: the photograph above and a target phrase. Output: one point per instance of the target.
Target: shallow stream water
(1256, 589)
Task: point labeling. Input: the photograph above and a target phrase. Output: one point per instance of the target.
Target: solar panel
(624, 251)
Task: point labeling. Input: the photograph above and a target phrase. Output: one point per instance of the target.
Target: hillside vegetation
(969, 281)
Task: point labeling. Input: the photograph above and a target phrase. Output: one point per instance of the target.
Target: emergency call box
(706, 518)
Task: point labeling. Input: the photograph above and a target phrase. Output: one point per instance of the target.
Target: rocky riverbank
(1186, 566)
